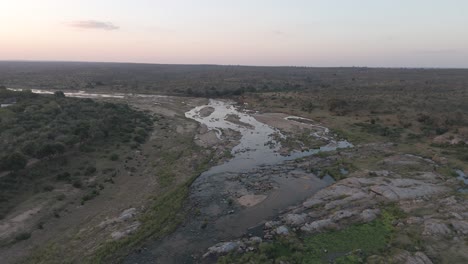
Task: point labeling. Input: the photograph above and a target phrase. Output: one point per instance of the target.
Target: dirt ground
(64, 229)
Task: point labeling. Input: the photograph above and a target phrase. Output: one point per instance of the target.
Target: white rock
(369, 214)
(342, 214)
(317, 226)
(223, 248)
(295, 219)
(282, 230)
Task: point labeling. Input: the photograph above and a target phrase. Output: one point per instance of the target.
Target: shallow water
(83, 94)
(462, 176)
(257, 146)
(256, 161)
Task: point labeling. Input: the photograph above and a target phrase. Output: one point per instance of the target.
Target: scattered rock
(341, 215)
(255, 240)
(460, 227)
(317, 226)
(435, 227)
(282, 230)
(223, 248)
(272, 224)
(369, 214)
(295, 219)
(116, 235)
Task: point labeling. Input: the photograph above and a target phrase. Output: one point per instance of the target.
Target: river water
(84, 94)
(257, 168)
(256, 162)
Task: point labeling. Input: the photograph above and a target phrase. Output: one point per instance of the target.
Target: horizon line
(241, 65)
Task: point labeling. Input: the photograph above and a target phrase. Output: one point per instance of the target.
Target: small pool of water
(462, 176)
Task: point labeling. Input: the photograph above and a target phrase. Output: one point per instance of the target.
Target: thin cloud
(93, 24)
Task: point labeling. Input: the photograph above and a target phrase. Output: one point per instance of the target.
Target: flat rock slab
(250, 200)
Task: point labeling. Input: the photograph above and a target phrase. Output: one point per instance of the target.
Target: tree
(59, 94)
(50, 149)
(82, 131)
(15, 161)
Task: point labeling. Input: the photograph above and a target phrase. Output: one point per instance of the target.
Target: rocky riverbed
(432, 228)
(255, 184)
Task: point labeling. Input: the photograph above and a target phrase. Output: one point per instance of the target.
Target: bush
(65, 176)
(48, 188)
(15, 161)
(90, 170)
(22, 236)
(59, 94)
(50, 149)
(114, 157)
(77, 184)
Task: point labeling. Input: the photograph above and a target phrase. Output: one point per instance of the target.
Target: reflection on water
(83, 94)
(462, 176)
(257, 145)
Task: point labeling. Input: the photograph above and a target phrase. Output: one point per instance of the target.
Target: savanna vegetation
(48, 139)
(42, 137)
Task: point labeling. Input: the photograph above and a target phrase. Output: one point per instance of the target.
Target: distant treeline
(214, 81)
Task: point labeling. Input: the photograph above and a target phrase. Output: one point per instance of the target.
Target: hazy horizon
(397, 34)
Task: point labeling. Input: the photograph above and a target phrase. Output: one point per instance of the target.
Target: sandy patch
(251, 200)
(278, 120)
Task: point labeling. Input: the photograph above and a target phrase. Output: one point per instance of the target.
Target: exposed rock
(435, 227)
(124, 216)
(336, 216)
(460, 227)
(369, 214)
(127, 231)
(414, 220)
(272, 224)
(418, 258)
(250, 200)
(312, 202)
(206, 111)
(317, 226)
(223, 248)
(295, 219)
(282, 230)
(255, 240)
(408, 258)
(386, 192)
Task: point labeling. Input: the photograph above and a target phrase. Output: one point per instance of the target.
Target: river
(257, 171)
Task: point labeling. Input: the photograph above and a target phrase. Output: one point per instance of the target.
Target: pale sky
(383, 33)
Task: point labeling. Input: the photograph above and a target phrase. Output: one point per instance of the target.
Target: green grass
(350, 245)
(161, 218)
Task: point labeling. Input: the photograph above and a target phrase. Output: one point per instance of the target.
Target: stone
(369, 214)
(435, 227)
(282, 230)
(256, 240)
(342, 214)
(317, 226)
(223, 248)
(272, 224)
(295, 219)
(460, 226)
(312, 202)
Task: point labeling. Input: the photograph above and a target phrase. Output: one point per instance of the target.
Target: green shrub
(15, 161)
(22, 236)
(114, 157)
